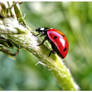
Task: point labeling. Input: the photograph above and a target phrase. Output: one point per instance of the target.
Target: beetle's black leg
(53, 48)
(46, 38)
(52, 51)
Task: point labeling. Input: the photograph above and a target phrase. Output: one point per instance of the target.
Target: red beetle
(57, 39)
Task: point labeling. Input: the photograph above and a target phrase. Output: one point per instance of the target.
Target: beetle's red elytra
(57, 39)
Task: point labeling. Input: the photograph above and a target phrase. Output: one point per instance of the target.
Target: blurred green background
(74, 19)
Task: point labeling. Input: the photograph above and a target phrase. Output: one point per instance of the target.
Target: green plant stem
(22, 36)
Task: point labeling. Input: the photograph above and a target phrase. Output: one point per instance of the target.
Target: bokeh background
(74, 19)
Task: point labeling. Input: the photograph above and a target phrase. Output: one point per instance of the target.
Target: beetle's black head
(42, 30)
